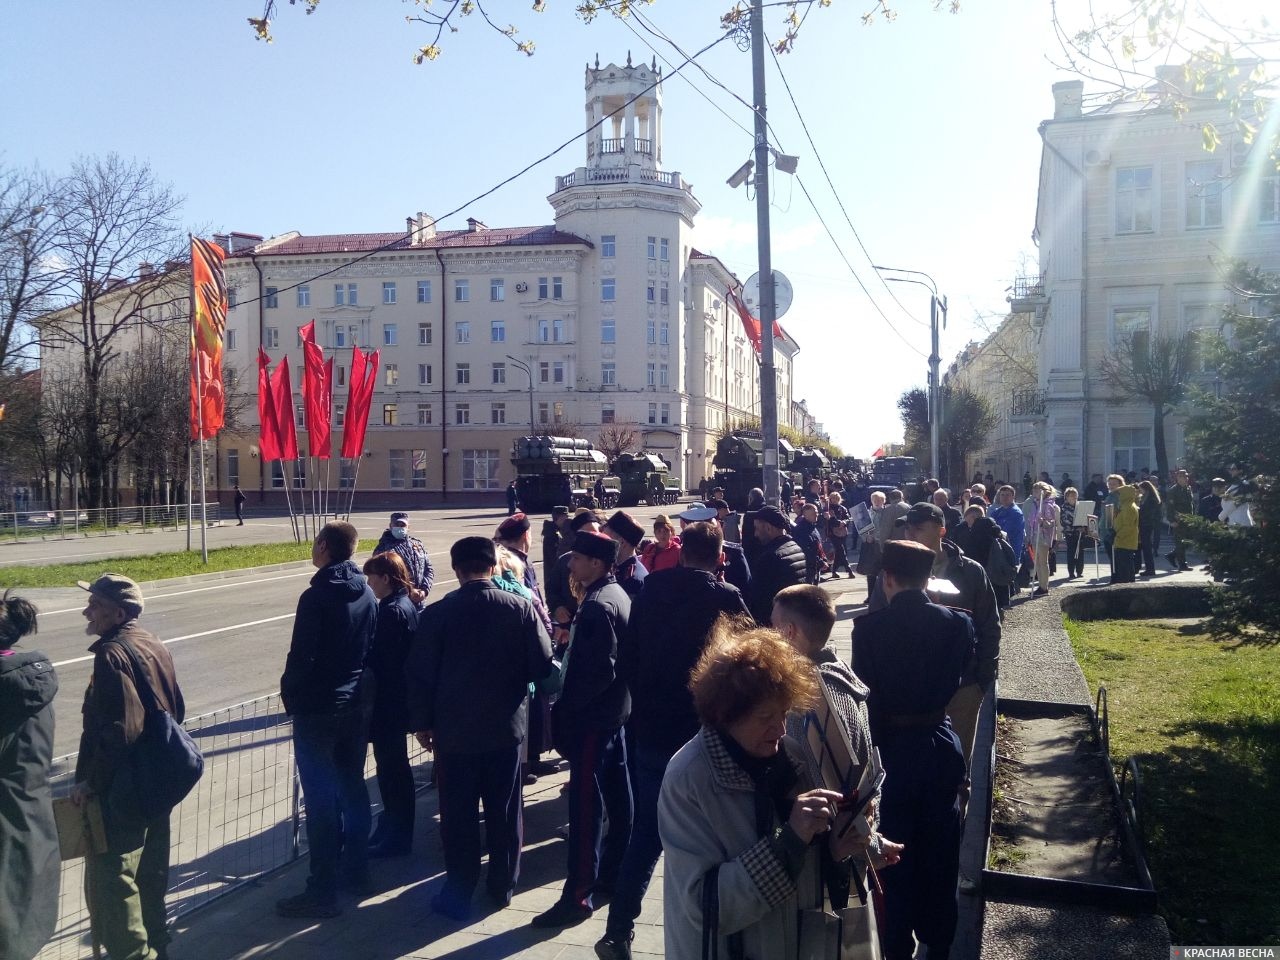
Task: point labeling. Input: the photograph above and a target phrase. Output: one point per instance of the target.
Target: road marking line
(194, 636)
(182, 593)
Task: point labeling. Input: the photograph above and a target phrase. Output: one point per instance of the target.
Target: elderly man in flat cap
(397, 539)
(587, 720)
(124, 886)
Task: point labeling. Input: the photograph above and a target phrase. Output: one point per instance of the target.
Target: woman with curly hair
(736, 814)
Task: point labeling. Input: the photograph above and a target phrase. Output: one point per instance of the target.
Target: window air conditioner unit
(521, 287)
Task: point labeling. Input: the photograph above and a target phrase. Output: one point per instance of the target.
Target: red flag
(268, 427)
(750, 323)
(208, 325)
(879, 453)
(282, 395)
(317, 396)
(364, 377)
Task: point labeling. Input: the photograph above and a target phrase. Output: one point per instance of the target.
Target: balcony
(629, 174)
(1026, 405)
(1027, 295)
(608, 145)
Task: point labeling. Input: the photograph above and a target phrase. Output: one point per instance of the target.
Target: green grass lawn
(161, 566)
(1203, 720)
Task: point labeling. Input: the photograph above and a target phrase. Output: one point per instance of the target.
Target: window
(389, 415)
(424, 334)
(1130, 448)
(277, 474)
(497, 413)
(664, 333)
(391, 374)
(608, 330)
(1134, 200)
(462, 373)
(480, 469)
(651, 331)
(664, 246)
(663, 376)
(230, 338)
(271, 337)
(231, 298)
(544, 331)
(342, 376)
(608, 289)
(606, 413)
(339, 336)
(339, 294)
(1132, 323)
(233, 467)
(609, 245)
(544, 412)
(271, 301)
(1268, 197)
(651, 248)
(1204, 193)
(424, 415)
(609, 374)
(557, 331)
(650, 292)
(388, 291)
(557, 412)
(351, 294)
(664, 415)
(497, 331)
(424, 291)
(408, 468)
(298, 336)
(557, 371)
(653, 413)
(353, 335)
(1199, 321)
(544, 372)
(462, 414)
(497, 290)
(389, 337)
(544, 290)
(651, 374)
(557, 288)
(347, 474)
(339, 414)
(304, 295)
(499, 373)
(665, 292)
(424, 374)
(462, 332)
(461, 290)
(300, 469)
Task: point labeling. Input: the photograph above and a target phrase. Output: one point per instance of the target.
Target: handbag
(165, 761)
(851, 933)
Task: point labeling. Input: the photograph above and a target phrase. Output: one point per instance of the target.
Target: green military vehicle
(739, 463)
(642, 476)
(555, 470)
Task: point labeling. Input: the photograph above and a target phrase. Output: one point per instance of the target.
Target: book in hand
(81, 831)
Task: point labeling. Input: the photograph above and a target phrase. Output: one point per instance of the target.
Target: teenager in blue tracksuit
(912, 655)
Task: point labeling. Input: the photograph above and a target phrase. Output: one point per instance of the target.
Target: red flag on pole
(750, 323)
(268, 427)
(282, 395)
(317, 397)
(364, 377)
(208, 326)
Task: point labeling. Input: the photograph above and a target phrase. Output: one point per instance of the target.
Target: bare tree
(126, 260)
(1155, 369)
(618, 438)
(29, 274)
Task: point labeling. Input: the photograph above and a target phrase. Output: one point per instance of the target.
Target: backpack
(1001, 565)
(165, 761)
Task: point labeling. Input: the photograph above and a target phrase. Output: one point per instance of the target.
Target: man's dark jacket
(473, 658)
(911, 655)
(414, 554)
(28, 835)
(977, 599)
(594, 697)
(736, 570)
(670, 620)
(557, 585)
(776, 565)
(331, 636)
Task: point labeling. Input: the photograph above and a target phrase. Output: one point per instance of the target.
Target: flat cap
(773, 516)
(118, 589)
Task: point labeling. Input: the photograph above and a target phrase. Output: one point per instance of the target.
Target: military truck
(555, 470)
(739, 463)
(811, 463)
(642, 476)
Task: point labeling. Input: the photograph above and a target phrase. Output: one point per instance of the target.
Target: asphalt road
(228, 636)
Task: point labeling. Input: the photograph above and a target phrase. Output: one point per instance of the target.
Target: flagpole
(289, 501)
(188, 492)
(193, 370)
(355, 482)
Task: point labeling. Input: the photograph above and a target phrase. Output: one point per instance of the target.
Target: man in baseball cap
(396, 539)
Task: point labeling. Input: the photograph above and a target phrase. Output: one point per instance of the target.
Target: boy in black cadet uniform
(587, 724)
(629, 570)
(469, 670)
(911, 655)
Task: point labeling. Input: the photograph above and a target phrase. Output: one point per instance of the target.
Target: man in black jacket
(560, 602)
(323, 694)
(473, 658)
(587, 721)
(669, 624)
(778, 563)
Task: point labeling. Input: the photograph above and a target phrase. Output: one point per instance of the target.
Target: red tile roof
(367, 242)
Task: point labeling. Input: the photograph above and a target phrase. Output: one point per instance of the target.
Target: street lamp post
(937, 311)
(528, 373)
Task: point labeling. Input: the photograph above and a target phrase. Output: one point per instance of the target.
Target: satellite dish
(782, 294)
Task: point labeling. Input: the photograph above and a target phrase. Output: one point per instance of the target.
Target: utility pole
(768, 300)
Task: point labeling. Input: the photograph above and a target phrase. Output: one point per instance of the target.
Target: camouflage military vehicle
(739, 463)
(642, 476)
(555, 470)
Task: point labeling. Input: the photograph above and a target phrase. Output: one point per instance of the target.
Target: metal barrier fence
(243, 819)
(100, 522)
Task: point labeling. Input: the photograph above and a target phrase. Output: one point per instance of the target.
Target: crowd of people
(685, 674)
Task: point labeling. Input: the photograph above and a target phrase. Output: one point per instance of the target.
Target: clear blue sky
(927, 125)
